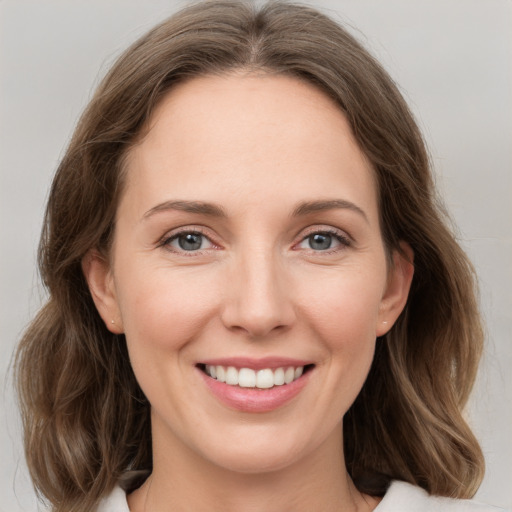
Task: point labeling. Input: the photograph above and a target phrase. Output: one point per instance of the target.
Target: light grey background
(453, 61)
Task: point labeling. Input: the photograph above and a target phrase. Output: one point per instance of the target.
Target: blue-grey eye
(190, 241)
(323, 241)
(320, 241)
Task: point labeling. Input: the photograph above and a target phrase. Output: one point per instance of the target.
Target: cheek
(344, 307)
(163, 314)
(344, 318)
(347, 329)
(163, 310)
(340, 311)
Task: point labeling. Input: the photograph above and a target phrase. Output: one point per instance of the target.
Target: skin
(257, 146)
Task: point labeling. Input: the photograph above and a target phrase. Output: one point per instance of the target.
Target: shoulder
(404, 497)
(114, 502)
(401, 497)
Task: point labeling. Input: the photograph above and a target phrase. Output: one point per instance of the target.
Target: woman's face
(248, 238)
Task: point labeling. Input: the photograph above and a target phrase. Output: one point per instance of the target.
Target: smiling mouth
(265, 378)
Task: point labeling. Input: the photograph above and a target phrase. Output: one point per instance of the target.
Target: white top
(400, 497)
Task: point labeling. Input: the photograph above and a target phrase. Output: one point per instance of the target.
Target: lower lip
(254, 399)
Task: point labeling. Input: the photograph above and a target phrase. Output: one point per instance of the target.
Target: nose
(258, 301)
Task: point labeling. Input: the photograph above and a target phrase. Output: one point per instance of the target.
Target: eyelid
(325, 228)
(164, 241)
(342, 236)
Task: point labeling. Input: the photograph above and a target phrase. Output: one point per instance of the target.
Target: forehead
(263, 132)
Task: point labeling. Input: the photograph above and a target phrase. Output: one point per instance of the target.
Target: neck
(182, 481)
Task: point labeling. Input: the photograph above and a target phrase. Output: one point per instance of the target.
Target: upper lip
(256, 363)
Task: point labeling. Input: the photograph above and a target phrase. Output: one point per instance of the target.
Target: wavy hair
(86, 420)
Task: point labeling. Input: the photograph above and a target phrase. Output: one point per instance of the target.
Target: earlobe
(98, 274)
(397, 289)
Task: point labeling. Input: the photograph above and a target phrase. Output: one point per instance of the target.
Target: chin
(252, 463)
(259, 450)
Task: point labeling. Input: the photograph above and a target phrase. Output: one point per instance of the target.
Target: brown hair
(86, 419)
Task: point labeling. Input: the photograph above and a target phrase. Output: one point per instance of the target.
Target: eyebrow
(198, 207)
(330, 204)
(213, 210)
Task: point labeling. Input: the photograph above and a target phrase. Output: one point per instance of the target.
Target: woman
(254, 300)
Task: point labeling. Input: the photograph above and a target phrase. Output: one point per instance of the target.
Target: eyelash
(342, 238)
(166, 241)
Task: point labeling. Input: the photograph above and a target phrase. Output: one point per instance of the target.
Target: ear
(98, 274)
(397, 288)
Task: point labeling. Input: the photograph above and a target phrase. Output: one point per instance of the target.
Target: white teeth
(232, 376)
(248, 378)
(221, 373)
(264, 379)
(279, 377)
(289, 375)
